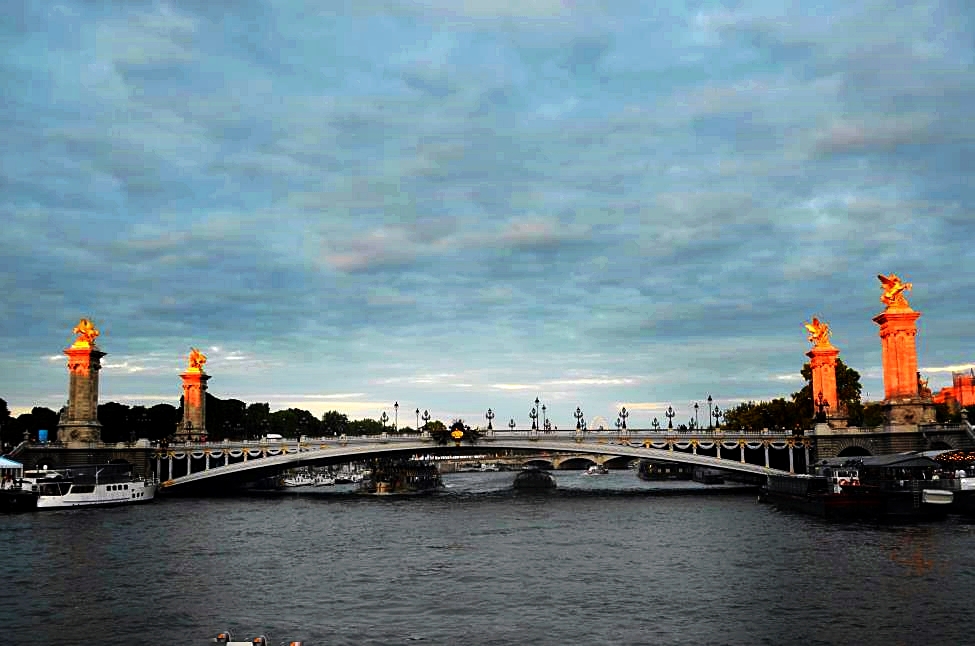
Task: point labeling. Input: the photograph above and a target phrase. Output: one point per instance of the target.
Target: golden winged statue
(818, 332)
(894, 289)
(197, 359)
(86, 332)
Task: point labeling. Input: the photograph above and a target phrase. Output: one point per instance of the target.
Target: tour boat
(596, 470)
(88, 486)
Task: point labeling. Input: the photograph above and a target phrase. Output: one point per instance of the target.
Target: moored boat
(88, 486)
(899, 487)
(401, 477)
(299, 479)
(13, 496)
(596, 470)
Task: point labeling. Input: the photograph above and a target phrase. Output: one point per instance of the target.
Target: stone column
(898, 329)
(822, 359)
(903, 401)
(79, 421)
(193, 426)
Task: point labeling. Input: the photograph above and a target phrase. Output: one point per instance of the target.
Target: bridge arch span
(853, 449)
(217, 477)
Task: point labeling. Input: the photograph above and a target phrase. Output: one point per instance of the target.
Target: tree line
(229, 419)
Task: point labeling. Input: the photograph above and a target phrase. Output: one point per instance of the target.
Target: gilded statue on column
(818, 333)
(893, 291)
(86, 333)
(197, 360)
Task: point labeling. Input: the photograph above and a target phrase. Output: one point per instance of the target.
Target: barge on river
(898, 487)
(392, 476)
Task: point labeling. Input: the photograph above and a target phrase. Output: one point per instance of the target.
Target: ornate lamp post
(670, 416)
(417, 420)
(695, 414)
(655, 424)
(545, 426)
(384, 418)
(623, 415)
(426, 418)
(534, 417)
(578, 416)
(710, 415)
(511, 424)
(717, 417)
(823, 405)
(395, 416)
(489, 415)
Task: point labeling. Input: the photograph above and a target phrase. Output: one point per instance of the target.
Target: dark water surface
(600, 561)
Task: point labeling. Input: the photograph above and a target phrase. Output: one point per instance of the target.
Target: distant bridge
(205, 468)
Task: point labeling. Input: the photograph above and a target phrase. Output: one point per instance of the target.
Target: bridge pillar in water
(904, 403)
(79, 423)
(192, 428)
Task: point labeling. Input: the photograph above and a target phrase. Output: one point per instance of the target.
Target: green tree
(334, 423)
(365, 427)
(114, 418)
(256, 420)
(848, 392)
(161, 422)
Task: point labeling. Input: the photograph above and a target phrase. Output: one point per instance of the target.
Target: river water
(603, 560)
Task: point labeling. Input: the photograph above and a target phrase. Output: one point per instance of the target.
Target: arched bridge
(210, 468)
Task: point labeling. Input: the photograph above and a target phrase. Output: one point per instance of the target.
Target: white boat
(300, 479)
(596, 470)
(324, 479)
(88, 486)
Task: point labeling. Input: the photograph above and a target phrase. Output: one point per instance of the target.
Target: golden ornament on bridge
(86, 331)
(197, 360)
(818, 332)
(894, 289)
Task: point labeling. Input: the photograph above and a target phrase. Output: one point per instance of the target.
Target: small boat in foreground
(596, 470)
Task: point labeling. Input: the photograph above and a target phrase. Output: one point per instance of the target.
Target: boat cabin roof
(898, 460)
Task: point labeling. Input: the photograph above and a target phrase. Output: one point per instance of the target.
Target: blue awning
(7, 463)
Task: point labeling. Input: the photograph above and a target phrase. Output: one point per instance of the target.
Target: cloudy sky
(464, 204)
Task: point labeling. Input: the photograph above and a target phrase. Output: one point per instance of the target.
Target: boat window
(126, 486)
(82, 488)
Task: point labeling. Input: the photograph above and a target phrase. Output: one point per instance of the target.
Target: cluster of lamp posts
(545, 424)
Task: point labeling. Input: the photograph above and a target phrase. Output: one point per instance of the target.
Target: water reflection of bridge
(203, 468)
